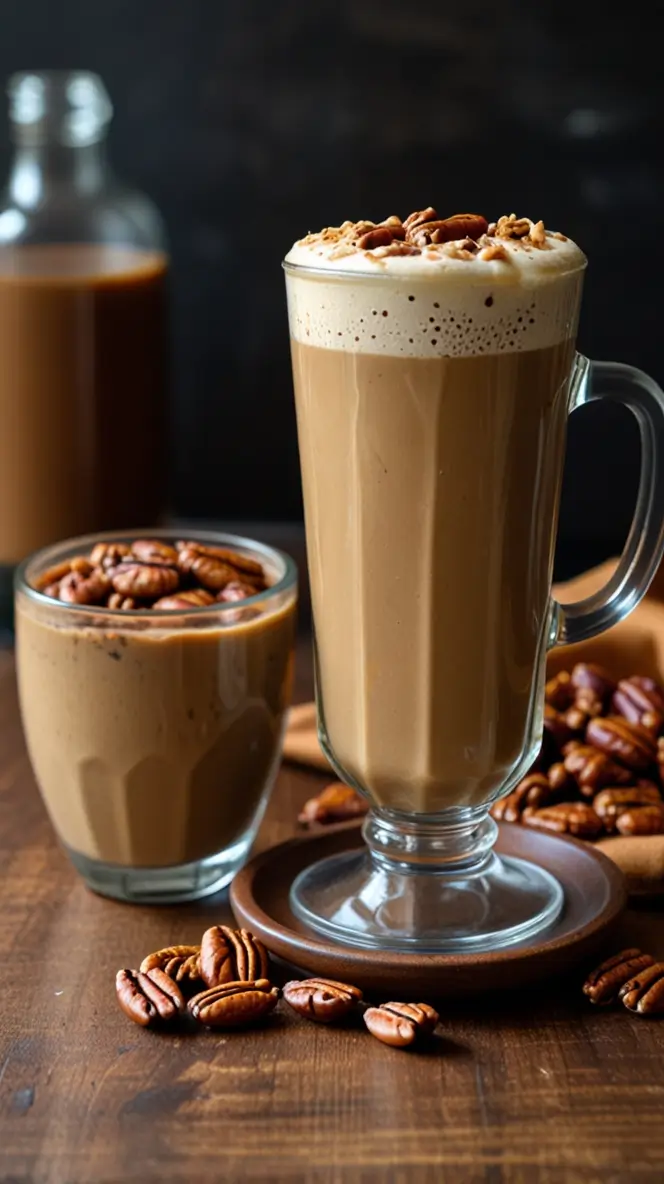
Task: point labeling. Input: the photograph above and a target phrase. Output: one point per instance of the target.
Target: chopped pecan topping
(459, 236)
(603, 985)
(321, 999)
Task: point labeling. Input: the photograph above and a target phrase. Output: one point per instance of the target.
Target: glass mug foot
(428, 887)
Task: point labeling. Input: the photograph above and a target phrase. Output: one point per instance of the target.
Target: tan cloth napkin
(636, 646)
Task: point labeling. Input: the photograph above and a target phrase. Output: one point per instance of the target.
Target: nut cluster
(600, 770)
(459, 236)
(224, 983)
(632, 978)
(149, 573)
(224, 978)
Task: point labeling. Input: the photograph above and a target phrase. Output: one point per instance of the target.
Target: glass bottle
(83, 326)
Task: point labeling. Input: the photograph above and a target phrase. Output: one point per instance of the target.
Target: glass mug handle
(645, 544)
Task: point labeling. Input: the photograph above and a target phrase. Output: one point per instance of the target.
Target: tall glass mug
(433, 387)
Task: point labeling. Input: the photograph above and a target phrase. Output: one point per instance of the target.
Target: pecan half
(558, 691)
(567, 818)
(589, 676)
(154, 551)
(592, 769)
(576, 719)
(630, 744)
(534, 790)
(231, 955)
(380, 236)
(555, 725)
(236, 590)
(191, 598)
(107, 555)
(243, 563)
(560, 781)
(603, 984)
(234, 1005)
(212, 573)
(335, 803)
(52, 575)
(76, 588)
(611, 803)
(400, 1024)
(180, 963)
(447, 230)
(321, 999)
(144, 580)
(642, 820)
(419, 217)
(639, 700)
(148, 999)
(117, 600)
(645, 992)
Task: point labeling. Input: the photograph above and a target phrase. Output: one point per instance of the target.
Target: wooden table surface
(536, 1087)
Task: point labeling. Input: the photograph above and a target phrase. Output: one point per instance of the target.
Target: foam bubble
(434, 305)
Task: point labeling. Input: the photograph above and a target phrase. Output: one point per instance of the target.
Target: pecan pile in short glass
(151, 573)
(600, 770)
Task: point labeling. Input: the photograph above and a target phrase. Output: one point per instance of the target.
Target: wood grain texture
(516, 1089)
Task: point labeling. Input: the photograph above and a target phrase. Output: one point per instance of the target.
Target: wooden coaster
(594, 897)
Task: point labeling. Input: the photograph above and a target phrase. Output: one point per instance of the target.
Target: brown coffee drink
(431, 386)
(82, 392)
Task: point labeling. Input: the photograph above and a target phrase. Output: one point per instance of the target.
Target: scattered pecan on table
(335, 803)
(600, 770)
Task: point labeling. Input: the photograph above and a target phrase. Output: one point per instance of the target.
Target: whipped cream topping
(498, 293)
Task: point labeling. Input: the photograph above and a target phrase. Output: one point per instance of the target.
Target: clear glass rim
(329, 274)
(48, 556)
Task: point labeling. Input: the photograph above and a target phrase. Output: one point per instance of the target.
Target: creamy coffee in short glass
(434, 366)
(155, 736)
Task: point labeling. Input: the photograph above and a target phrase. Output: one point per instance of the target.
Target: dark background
(250, 123)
